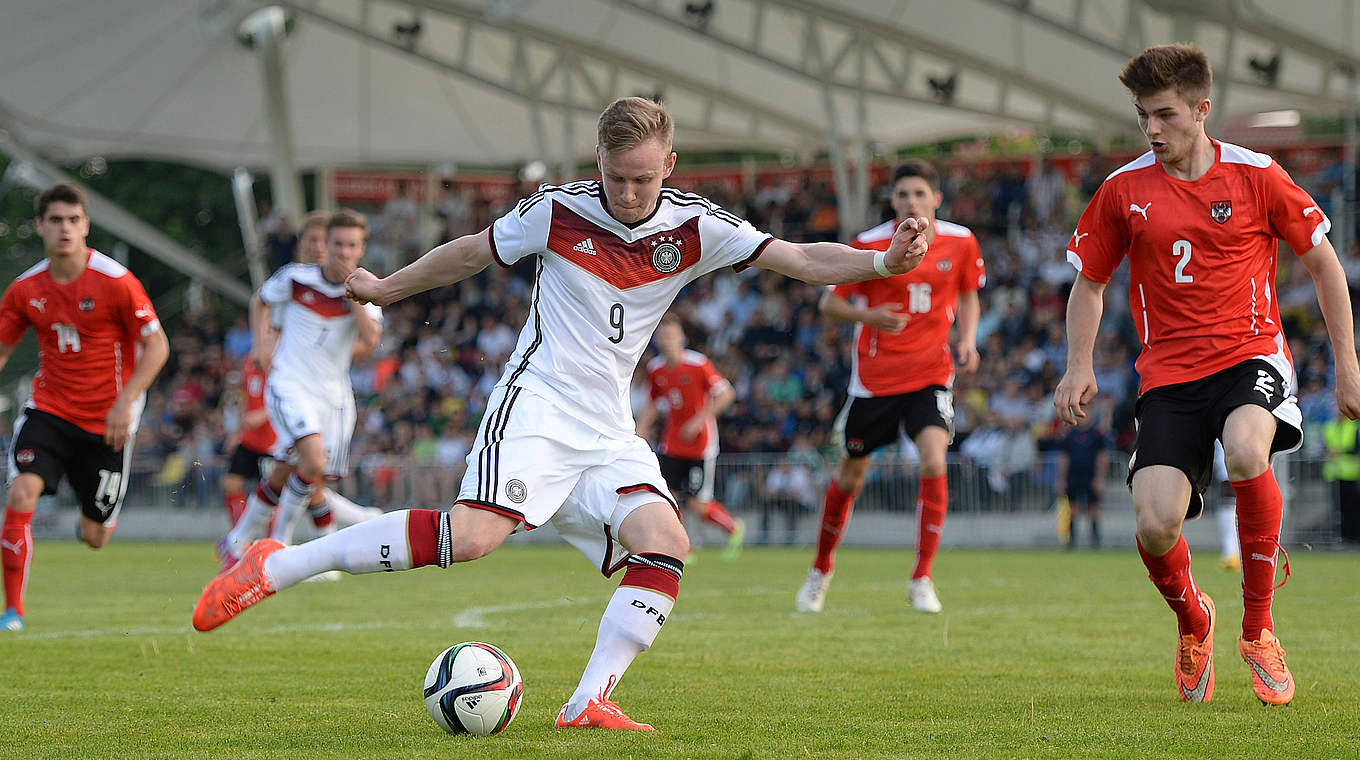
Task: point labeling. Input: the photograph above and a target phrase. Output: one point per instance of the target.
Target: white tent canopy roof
(500, 81)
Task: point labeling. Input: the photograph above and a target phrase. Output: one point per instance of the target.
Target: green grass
(1038, 654)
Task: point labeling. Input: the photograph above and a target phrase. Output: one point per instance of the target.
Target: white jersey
(318, 330)
(602, 287)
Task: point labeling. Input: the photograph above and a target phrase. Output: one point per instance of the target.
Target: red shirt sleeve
(1291, 212)
(973, 272)
(847, 291)
(1101, 239)
(13, 319)
(139, 316)
(712, 377)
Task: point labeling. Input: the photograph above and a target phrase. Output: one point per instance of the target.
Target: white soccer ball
(473, 688)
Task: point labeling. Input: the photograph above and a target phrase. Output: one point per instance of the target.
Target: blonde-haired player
(557, 443)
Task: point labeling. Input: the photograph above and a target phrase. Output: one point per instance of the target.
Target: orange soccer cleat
(1270, 677)
(601, 713)
(1195, 660)
(241, 587)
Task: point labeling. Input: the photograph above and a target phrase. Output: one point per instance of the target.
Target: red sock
(717, 514)
(1170, 573)
(235, 503)
(320, 514)
(1259, 513)
(835, 515)
(658, 572)
(427, 533)
(930, 509)
(16, 553)
(271, 497)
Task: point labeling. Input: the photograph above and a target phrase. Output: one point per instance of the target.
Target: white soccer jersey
(318, 331)
(602, 287)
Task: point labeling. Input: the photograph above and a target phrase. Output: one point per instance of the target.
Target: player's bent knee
(475, 533)
(95, 536)
(654, 527)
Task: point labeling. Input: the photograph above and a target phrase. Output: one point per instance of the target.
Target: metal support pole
(243, 193)
(266, 27)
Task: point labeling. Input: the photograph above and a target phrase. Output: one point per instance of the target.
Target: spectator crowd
(421, 396)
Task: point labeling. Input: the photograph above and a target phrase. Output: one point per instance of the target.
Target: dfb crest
(1220, 211)
(665, 256)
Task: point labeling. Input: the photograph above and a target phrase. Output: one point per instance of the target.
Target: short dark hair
(347, 217)
(915, 167)
(62, 192)
(670, 318)
(1182, 66)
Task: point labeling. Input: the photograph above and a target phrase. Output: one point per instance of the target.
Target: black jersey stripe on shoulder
(713, 210)
(580, 187)
(682, 198)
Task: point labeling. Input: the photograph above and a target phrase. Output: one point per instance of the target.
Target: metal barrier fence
(778, 495)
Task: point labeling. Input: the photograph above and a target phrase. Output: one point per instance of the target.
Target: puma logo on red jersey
(1143, 210)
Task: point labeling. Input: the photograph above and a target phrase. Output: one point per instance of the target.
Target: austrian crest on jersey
(1220, 211)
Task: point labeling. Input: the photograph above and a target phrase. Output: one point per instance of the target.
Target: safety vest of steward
(1343, 460)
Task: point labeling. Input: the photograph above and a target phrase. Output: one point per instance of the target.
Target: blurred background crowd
(421, 396)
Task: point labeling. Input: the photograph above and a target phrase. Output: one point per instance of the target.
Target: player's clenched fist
(362, 286)
(908, 246)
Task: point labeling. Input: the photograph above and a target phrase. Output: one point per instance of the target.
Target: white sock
(345, 511)
(629, 626)
(1227, 528)
(252, 525)
(297, 494)
(375, 546)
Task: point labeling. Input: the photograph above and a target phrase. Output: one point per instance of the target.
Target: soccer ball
(473, 688)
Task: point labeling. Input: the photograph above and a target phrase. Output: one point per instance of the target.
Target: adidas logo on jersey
(585, 246)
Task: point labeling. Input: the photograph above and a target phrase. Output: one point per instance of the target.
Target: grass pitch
(1038, 654)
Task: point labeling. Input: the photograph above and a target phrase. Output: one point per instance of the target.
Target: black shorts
(870, 423)
(1082, 493)
(1178, 424)
(246, 463)
(49, 446)
(688, 478)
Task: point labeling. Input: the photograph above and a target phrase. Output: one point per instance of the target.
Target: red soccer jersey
(682, 392)
(87, 333)
(1202, 259)
(261, 437)
(919, 356)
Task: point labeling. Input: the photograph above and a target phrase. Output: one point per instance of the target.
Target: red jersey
(919, 356)
(682, 392)
(87, 334)
(260, 438)
(1202, 259)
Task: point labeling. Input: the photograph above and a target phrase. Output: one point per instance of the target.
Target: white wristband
(880, 266)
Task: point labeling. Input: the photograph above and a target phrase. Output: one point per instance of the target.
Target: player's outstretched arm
(1078, 386)
(446, 264)
(6, 351)
(1335, 299)
(834, 263)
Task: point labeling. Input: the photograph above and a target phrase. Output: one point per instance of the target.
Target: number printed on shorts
(109, 486)
(616, 322)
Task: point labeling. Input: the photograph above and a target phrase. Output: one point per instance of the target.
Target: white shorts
(536, 464)
(297, 412)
